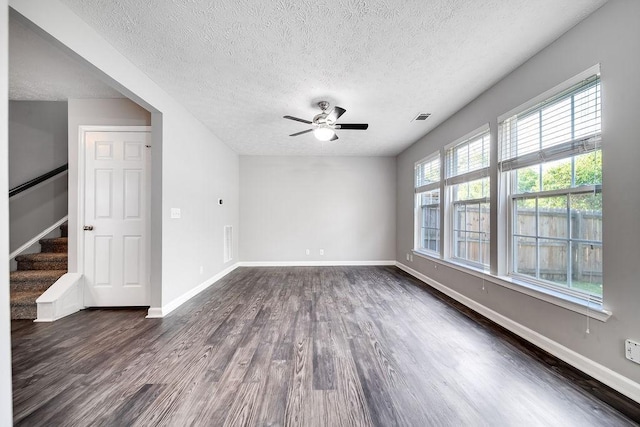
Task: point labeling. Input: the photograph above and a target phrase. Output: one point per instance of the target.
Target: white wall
(611, 37)
(87, 112)
(344, 205)
(37, 145)
(6, 402)
(197, 170)
(191, 167)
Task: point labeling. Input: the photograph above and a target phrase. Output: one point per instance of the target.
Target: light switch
(175, 213)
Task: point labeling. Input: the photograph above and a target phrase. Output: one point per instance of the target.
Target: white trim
(550, 93)
(313, 263)
(35, 240)
(154, 313)
(471, 202)
(63, 298)
(160, 312)
(544, 294)
(618, 382)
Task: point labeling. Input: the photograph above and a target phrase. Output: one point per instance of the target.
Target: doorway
(114, 222)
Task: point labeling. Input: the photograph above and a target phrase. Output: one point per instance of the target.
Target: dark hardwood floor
(325, 346)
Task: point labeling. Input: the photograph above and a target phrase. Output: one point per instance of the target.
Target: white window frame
(419, 190)
(449, 203)
(569, 239)
(566, 150)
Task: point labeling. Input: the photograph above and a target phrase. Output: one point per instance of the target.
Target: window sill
(577, 305)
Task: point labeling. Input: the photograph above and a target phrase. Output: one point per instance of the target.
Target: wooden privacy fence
(554, 230)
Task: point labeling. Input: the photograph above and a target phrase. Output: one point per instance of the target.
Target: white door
(116, 219)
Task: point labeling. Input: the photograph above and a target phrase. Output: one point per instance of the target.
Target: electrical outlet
(407, 256)
(308, 251)
(321, 251)
(632, 351)
(175, 213)
(411, 257)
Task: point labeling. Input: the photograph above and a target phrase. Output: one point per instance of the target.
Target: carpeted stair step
(57, 245)
(64, 230)
(33, 280)
(36, 273)
(23, 304)
(42, 261)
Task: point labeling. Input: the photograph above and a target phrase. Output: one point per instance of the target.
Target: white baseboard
(312, 263)
(618, 382)
(154, 313)
(160, 312)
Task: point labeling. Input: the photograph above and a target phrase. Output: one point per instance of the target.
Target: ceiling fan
(324, 124)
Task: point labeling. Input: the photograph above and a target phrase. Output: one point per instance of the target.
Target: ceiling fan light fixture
(324, 124)
(323, 133)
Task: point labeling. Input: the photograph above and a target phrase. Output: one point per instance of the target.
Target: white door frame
(82, 131)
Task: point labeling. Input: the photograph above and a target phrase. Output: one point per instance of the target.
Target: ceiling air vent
(422, 117)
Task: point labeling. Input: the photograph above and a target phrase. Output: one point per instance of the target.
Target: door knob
(88, 227)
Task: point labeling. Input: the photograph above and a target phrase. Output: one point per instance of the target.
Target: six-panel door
(116, 206)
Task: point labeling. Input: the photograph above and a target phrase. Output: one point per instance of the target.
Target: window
(427, 189)
(467, 183)
(551, 156)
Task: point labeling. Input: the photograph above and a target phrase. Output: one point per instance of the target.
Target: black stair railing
(42, 178)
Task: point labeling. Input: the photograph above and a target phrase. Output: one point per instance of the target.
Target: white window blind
(468, 159)
(428, 174)
(561, 126)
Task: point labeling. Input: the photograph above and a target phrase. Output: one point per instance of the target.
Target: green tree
(528, 180)
(589, 168)
(587, 171)
(557, 177)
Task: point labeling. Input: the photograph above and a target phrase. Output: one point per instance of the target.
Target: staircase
(36, 272)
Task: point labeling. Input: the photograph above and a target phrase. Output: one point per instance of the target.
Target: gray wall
(344, 205)
(197, 170)
(37, 144)
(37, 138)
(611, 37)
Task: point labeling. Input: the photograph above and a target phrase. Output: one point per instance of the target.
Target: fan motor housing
(320, 118)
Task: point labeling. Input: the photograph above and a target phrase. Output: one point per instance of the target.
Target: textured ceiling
(40, 71)
(240, 65)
